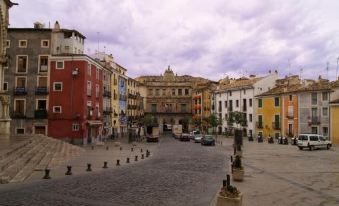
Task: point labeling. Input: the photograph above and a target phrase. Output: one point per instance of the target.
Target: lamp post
(336, 73)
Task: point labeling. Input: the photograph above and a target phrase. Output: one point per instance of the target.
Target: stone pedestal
(5, 126)
(227, 201)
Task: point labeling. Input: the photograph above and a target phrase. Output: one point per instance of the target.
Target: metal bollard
(107, 147)
(136, 158)
(47, 174)
(224, 183)
(132, 149)
(105, 165)
(92, 147)
(231, 158)
(118, 162)
(127, 160)
(89, 169)
(234, 150)
(228, 180)
(142, 156)
(120, 148)
(141, 150)
(69, 170)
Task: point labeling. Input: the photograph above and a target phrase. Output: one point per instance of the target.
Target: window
(173, 92)
(250, 102)
(75, 127)
(276, 101)
(20, 131)
(250, 117)
(96, 90)
(97, 74)
(260, 103)
(43, 63)
(244, 91)
(41, 104)
(57, 86)
(150, 92)
(225, 104)
(42, 81)
(153, 107)
(20, 82)
(66, 49)
(8, 43)
(19, 107)
(157, 92)
(291, 98)
(44, 43)
(325, 131)
(89, 88)
(314, 130)
(325, 111)
(22, 43)
(179, 92)
(183, 108)
(22, 64)
(230, 93)
(5, 86)
(325, 96)
(57, 109)
(314, 98)
(59, 65)
(163, 92)
(237, 103)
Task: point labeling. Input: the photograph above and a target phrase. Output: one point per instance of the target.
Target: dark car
(184, 137)
(208, 140)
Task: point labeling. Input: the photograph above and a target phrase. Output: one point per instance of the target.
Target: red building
(75, 99)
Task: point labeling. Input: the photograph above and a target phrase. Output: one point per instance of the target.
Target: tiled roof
(240, 83)
(316, 86)
(282, 89)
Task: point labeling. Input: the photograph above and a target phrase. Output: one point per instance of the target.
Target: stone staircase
(20, 159)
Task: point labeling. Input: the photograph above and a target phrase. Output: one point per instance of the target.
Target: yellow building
(334, 121)
(115, 103)
(269, 116)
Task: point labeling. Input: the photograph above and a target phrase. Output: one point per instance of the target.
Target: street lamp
(336, 73)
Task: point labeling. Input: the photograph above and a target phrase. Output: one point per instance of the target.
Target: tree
(237, 117)
(185, 122)
(214, 121)
(149, 121)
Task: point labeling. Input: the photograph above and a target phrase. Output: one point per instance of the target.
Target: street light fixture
(336, 73)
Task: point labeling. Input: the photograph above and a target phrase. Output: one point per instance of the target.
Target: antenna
(327, 68)
(336, 73)
(301, 72)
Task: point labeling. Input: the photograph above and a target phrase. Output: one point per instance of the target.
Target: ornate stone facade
(4, 98)
(169, 97)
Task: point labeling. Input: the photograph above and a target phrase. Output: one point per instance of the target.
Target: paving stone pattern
(177, 173)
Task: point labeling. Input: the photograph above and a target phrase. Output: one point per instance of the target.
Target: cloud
(200, 38)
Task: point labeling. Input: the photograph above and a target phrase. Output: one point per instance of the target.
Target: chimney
(56, 26)
(38, 25)
(269, 71)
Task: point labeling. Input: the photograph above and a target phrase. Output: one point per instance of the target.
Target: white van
(313, 141)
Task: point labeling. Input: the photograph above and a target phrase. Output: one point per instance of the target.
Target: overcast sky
(209, 38)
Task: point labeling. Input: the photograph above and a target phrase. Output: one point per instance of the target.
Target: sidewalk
(96, 156)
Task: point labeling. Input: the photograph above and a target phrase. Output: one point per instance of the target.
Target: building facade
(237, 96)
(169, 98)
(133, 102)
(76, 97)
(4, 97)
(122, 98)
(26, 78)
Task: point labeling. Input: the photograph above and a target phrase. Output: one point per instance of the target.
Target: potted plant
(237, 169)
(229, 196)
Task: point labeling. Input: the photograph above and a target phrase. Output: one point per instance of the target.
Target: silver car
(197, 138)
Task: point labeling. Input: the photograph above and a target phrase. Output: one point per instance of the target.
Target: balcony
(276, 125)
(289, 116)
(20, 91)
(40, 114)
(315, 120)
(244, 124)
(122, 97)
(43, 68)
(132, 96)
(107, 94)
(107, 110)
(41, 90)
(259, 125)
(18, 115)
(115, 96)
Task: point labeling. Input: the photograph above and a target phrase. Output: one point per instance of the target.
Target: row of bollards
(89, 166)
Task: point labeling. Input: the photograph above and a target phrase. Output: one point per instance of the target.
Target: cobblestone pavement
(283, 175)
(178, 173)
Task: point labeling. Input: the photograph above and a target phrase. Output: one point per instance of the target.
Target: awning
(94, 122)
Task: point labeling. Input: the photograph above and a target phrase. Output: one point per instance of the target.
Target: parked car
(313, 141)
(208, 140)
(197, 138)
(184, 137)
(194, 133)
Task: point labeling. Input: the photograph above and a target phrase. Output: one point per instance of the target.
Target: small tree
(214, 121)
(149, 121)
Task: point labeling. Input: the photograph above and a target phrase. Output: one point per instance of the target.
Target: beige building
(4, 98)
(169, 97)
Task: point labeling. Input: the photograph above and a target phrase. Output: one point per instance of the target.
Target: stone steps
(35, 154)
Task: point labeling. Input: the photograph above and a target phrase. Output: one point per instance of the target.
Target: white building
(237, 95)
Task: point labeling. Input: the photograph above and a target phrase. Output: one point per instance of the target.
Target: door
(40, 130)
(290, 130)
